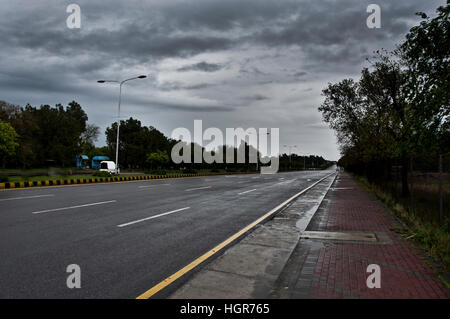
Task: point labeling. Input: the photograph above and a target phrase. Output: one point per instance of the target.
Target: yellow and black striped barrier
(60, 182)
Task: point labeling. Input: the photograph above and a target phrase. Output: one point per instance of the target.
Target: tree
(426, 54)
(46, 133)
(157, 159)
(8, 144)
(388, 119)
(400, 106)
(25, 125)
(88, 137)
(342, 110)
(90, 134)
(135, 142)
(59, 134)
(371, 118)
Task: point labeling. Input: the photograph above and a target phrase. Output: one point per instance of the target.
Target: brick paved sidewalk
(340, 267)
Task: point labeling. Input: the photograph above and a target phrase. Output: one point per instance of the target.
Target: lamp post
(118, 111)
(257, 152)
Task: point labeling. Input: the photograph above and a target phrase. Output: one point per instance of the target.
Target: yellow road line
(155, 289)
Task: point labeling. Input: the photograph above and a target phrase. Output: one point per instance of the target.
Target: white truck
(108, 166)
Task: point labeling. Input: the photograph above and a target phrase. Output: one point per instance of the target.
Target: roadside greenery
(47, 136)
(52, 137)
(399, 108)
(435, 240)
(157, 159)
(8, 144)
(102, 174)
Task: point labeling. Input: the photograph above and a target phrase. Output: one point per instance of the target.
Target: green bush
(101, 174)
(189, 171)
(4, 178)
(214, 170)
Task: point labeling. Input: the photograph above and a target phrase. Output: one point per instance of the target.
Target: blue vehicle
(96, 160)
(82, 161)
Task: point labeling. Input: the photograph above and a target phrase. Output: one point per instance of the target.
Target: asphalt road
(126, 237)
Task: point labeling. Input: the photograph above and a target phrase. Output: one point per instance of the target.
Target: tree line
(146, 147)
(36, 137)
(399, 108)
(43, 136)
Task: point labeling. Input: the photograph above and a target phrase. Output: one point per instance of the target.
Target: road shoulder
(251, 267)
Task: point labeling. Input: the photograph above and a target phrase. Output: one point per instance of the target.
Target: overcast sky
(230, 63)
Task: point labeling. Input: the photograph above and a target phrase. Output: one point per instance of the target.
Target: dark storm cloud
(251, 71)
(140, 43)
(193, 107)
(201, 66)
(334, 31)
(300, 74)
(174, 86)
(256, 97)
(143, 103)
(324, 30)
(276, 53)
(227, 15)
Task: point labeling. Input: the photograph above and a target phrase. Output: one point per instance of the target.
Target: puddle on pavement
(345, 236)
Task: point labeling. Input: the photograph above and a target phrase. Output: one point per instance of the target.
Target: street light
(118, 111)
(257, 152)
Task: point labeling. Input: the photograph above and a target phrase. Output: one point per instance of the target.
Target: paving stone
(341, 269)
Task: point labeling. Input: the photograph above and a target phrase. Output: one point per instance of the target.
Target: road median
(93, 180)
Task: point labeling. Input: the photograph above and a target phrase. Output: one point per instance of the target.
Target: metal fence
(429, 186)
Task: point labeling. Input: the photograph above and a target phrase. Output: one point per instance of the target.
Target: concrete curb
(62, 182)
